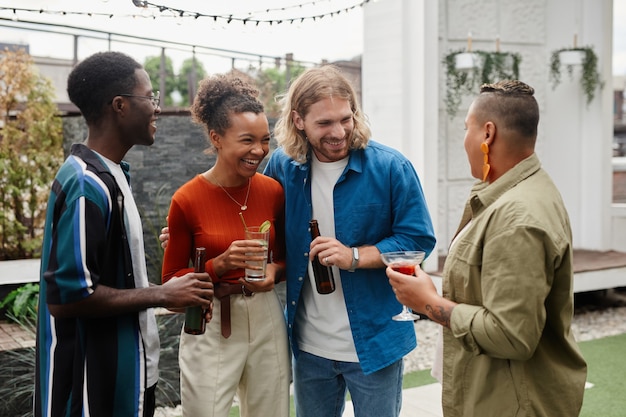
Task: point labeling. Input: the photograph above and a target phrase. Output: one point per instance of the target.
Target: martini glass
(404, 262)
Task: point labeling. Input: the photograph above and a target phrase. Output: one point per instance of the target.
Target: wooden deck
(589, 260)
(593, 270)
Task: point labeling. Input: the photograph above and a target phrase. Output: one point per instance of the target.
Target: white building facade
(405, 42)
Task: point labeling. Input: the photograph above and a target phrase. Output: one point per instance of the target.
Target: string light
(179, 13)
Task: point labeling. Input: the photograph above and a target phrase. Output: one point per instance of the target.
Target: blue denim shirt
(378, 200)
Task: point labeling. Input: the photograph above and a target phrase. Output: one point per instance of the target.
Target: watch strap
(355, 259)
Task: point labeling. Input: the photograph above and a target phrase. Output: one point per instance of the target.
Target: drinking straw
(243, 221)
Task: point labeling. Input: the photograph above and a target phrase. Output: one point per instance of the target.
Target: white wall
(399, 82)
(579, 136)
(404, 86)
(618, 225)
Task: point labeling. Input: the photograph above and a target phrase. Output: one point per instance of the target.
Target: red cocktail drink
(404, 269)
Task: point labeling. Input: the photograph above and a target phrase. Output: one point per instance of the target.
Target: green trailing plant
(490, 67)
(21, 303)
(497, 66)
(458, 83)
(590, 76)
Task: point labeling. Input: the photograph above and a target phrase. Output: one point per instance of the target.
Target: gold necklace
(244, 206)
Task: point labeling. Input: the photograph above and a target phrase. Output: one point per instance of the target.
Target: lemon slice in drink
(265, 226)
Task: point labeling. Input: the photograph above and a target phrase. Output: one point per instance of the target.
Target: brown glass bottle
(195, 319)
(323, 274)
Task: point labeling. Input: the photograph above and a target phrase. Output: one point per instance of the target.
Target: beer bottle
(323, 274)
(195, 321)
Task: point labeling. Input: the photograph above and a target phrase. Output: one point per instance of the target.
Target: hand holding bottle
(195, 317)
(324, 280)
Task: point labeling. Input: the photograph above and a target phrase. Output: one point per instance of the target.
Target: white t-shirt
(147, 320)
(322, 320)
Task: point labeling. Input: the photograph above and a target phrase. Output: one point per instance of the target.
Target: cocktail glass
(404, 262)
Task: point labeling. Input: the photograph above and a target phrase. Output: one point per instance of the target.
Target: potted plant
(483, 67)
(459, 81)
(571, 57)
(466, 61)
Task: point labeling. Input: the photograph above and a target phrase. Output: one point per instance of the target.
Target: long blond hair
(313, 85)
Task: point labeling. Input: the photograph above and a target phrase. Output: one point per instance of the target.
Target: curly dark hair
(218, 97)
(97, 79)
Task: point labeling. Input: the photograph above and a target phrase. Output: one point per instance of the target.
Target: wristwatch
(355, 259)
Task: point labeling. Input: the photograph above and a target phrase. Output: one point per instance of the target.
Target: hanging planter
(466, 71)
(569, 58)
(466, 61)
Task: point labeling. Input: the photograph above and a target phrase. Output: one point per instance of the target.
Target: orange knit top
(202, 214)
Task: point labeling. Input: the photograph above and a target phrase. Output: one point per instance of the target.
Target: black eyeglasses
(155, 99)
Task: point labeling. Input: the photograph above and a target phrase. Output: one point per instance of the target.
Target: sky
(336, 36)
(333, 36)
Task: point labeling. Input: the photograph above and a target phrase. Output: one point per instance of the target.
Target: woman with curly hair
(244, 349)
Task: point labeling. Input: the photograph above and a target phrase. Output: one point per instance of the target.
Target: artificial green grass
(417, 379)
(606, 362)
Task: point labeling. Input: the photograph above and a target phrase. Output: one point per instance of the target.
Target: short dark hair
(512, 103)
(220, 95)
(97, 79)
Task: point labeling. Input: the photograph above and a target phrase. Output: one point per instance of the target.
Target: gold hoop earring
(484, 147)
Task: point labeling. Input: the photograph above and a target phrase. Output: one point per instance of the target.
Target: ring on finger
(326, 260)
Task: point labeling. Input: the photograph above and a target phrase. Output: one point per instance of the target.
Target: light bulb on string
(145, 12)
(177, 16)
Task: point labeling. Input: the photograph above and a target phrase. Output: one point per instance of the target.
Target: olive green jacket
(510, 350)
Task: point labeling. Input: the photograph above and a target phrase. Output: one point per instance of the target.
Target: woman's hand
(420, 294)
(267, 284)
(236, 256)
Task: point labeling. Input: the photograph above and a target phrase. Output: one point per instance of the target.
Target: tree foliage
(30, 153)
(272, 82)
(187, 78)
(174, 82)
(152, 65)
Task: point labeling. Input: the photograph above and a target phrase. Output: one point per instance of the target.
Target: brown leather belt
(223, 291)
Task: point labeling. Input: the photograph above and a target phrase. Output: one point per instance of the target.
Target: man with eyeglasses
(97, 347)
(155, 99)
